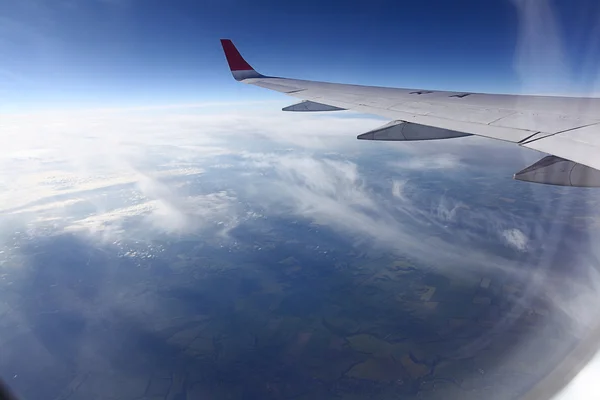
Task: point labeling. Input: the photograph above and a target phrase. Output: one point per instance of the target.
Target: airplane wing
(567, 128)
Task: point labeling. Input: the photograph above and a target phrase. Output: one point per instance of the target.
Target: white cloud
(515, 238)
(443, 161)
(336, 194)
(83, 154)
(193, 214)
(447, 209)
(309, 171)
(86, 153)
(398, 187)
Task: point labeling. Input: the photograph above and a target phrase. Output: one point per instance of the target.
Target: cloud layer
(115, 181)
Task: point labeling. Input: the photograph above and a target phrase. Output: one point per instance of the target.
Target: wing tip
(239, 67)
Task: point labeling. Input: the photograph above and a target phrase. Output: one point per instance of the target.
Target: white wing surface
(568, 128)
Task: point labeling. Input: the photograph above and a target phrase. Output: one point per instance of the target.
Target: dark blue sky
(131, 52)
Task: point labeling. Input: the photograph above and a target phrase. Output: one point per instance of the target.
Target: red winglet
(234, 58)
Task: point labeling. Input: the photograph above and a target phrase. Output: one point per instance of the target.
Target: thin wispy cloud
(442, 161)
(398, 187)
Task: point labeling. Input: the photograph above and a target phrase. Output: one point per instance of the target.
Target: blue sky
(105, 53)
